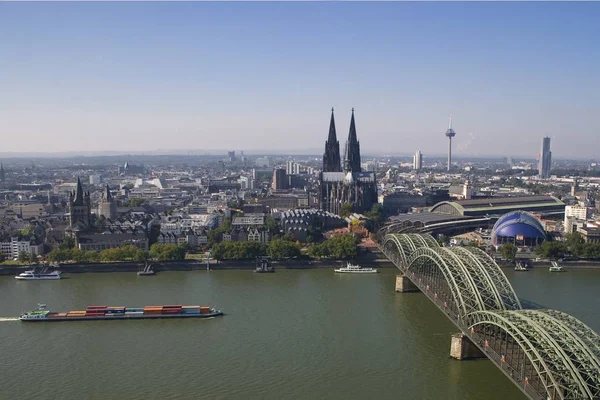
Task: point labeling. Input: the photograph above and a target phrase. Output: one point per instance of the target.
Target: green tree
(2, 258)
(508, 251)
(153, 234)
(551, 249)
(272, 225)
(280, 249)
(338, 247)
(346, 210)
(67, 243)
(443, 240)
(33, 258)
(575, 243)
(375, 216)
(23, 256)
(238, 250)
(133, 202)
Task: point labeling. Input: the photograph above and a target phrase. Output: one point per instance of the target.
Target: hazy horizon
(141, 77)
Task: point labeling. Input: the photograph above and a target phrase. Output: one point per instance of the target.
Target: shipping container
(173, 306)
(96, 307)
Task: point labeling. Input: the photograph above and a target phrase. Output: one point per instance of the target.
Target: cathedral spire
(331, 157)
(352, 150)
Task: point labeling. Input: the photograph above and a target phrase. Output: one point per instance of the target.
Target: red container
(172, 306)
(96, 307)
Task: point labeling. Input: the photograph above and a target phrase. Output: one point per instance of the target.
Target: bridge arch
(401, 245)
(550, 353)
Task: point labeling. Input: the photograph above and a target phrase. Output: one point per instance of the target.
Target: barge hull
(121, 317)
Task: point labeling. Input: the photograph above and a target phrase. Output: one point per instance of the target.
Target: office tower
(417, 160)
(545, 162)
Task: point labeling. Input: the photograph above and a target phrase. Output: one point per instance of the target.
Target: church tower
(2, 173)
(331, 158)
(108, 206)
(80, 208)
(352, 150)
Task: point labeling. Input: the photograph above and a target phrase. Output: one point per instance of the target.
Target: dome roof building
(518, 227)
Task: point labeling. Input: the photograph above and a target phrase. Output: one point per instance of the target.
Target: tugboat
(147, 270)
(264, 266)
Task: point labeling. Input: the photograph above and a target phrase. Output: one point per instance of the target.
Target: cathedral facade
(349, 184)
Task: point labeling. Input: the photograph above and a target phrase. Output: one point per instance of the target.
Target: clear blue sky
(263, 76)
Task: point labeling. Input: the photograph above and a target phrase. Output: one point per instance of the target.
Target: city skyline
(211, 76)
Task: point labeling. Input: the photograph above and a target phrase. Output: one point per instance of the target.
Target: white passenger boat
(355, 269)
(33, 275)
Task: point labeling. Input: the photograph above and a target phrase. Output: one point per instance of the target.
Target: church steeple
(352, 149)
(331, 158)
(78, 200)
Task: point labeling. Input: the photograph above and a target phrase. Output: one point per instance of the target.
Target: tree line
(159, 252)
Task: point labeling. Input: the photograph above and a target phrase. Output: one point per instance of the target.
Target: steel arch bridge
(548, 354)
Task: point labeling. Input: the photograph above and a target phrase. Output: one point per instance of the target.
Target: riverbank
(192, 265)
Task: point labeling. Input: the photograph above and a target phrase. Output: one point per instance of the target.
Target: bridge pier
(404, 285)
(461, 348)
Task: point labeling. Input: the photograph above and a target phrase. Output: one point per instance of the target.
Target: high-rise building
(417, 160)
(231, 155)
(545, 162)
(2, 173)
(450, 134)
(352, 186)
(331, 157)
(279, 179)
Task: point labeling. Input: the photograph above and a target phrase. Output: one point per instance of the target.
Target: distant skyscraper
(2, 173)
(331, 158)
(450, 134)
(417, 160)
(231, 155)
(279, 179)
(545, 162)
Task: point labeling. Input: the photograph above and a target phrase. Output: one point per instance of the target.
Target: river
(295, 334)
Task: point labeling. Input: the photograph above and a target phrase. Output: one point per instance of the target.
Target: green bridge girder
(562, 352)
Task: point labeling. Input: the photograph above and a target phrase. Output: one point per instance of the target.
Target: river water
(295, 334)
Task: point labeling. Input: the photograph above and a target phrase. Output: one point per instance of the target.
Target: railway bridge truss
(548, 354)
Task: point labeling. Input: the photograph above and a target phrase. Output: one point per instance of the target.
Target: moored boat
(148, 270)
(41, 314)
(355, 269)
(556, 268)
(520, 266)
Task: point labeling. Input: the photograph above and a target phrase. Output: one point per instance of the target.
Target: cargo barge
(94, 313)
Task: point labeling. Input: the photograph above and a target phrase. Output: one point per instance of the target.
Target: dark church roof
(352, 149)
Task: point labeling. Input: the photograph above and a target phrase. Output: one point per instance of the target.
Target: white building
(417, 160)
(12, 249)
(572, 215)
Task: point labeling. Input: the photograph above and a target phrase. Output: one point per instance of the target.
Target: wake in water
(7, 319)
